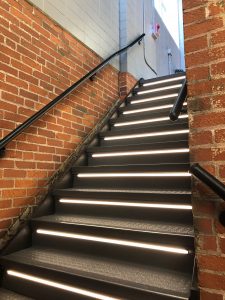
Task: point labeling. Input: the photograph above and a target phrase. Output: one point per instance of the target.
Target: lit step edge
(140, 135)
(135, 191)
(146, 152)
(138, 174)
(147, 246)
(134, 111)
(120, 124)
(72, 289)
(175, 86)
(164, 81)
(154, 98)
(126, 204)
(59, 285)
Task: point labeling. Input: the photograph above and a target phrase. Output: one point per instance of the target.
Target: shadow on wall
(163, 43)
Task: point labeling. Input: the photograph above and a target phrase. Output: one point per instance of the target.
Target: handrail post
(212, 182)
(217, 186)
(178, 104)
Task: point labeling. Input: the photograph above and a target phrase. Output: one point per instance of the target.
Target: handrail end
(194, 165)
(141, 82)
(2, 151)
(173, 116)
(222, 218)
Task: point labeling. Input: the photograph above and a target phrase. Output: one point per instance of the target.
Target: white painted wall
(93, 22)
(156, 51)
(99, 25)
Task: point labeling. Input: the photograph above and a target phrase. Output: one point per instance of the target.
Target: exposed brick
(210, 296)
(208, 242)
(222, 247)
(196, 44)
(199, 73)
(216, 8)
(201, 154)
(40, 60)
(194, 15)
(5, 204)
(212, 281)
(210, 119)
(188, 4)
(201, 138)
(218, 69)
(217, 37)
(214, 263)
(203, 225)
(9, 213)
(197, 58)
(203, 27)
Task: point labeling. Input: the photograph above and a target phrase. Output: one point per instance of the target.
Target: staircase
(123, 230)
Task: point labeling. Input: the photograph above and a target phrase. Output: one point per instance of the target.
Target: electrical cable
(144, 50)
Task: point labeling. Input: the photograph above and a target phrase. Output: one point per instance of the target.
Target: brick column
(126, 83)
(204, 30)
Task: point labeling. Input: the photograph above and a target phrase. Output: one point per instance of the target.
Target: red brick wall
(126, 83)
(204, 22)
(38, 61)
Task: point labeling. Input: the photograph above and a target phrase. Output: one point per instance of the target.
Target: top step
(157, 89)
(165, 79)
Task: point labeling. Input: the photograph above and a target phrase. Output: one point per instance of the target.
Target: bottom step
(8, 295)
(112, 277)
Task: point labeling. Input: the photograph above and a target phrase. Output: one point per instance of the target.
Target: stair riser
(44, 292)
(137, 183)
(144, 140)
(145, 114)
(174, 262)
(127, 197)
(164, 93)
(137, 236)
(139, 159)
(156, 214)
(165, 124)
(147, 104)
(155, 146)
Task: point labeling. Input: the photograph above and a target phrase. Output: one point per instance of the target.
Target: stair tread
(115, 271)
(164, 77)
(146, 146)
(133, 191)
(140, 105)
(149, 128)
(9, 295)
(147, 120)
(123, 224)
(173, 167)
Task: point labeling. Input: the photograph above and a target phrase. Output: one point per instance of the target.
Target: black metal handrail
(55, 101)
(212, 182)
(178, 104)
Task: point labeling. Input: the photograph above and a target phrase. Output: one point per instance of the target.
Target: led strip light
(184, 116)
(160, 89)
(127, 112)
(126, 204)
(145, 152)
(59, 285)
(164, 81)
(144, 174)
(140, 135)
(147, 109)
(154, 98)
(112, 241)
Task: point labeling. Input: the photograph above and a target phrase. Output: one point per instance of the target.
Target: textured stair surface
(123, 229)
(143, 277)
(126, 224)
(9, 295)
